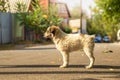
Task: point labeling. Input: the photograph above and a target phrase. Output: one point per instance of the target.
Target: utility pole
(80, 16)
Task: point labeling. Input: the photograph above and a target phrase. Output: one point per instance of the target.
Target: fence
(9, 28)
(5, 28)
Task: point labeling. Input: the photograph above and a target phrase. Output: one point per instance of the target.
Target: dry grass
(7, 47)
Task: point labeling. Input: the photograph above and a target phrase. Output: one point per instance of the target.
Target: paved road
(42, 63)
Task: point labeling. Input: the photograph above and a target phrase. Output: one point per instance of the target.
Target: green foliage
(109, 6)
(38, 19)
(75, 12)
(100, 26)
(95, 26)
(106, 20)
(4, 6)
(110, 10)
(67, 29)
(53, 16)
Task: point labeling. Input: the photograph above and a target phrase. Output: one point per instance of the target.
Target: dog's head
(51, 31)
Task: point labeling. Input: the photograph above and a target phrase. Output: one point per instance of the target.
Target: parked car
(98, 38)
(106, 39)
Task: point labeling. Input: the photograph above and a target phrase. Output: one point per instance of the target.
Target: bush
(37, 19)
(67, 29)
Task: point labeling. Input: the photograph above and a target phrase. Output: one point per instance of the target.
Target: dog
(67, 43)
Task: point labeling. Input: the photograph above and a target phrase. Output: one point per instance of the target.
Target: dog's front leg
(65, 56)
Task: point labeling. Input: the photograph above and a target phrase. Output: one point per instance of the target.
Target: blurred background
(27, 20)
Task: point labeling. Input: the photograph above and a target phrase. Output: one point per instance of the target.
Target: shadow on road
(56, 66)
(28, 66)
(48, 48)
(86, 79)
(59, 71)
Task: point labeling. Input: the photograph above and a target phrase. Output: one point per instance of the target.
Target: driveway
(41, 62)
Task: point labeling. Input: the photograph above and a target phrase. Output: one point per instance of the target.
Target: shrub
(37, 19)
(67, 29)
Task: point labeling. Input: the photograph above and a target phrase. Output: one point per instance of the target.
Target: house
(75, 25)
(63, 11)
(18, 33)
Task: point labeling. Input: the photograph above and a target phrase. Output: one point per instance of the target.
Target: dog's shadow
(37, 69)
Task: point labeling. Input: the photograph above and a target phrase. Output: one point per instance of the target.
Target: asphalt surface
(41, 62)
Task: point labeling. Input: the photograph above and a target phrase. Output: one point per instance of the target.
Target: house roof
(63, 10)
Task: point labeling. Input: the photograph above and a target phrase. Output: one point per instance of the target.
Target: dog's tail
(92, 37)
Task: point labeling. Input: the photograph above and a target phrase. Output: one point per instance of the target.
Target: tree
(110, 9)
(75, 12)
(37, 19)
(4, 6)
(20, 7)
(95, 26)
(109, 17)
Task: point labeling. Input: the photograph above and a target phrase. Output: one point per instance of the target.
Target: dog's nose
(44, 36)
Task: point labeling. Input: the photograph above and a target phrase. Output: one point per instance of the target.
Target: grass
(7, 47)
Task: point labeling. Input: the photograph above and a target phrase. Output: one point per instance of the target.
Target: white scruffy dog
(67, 43)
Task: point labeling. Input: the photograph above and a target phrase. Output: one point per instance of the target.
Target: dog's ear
(53, 29)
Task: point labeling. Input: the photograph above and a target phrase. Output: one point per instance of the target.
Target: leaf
(108, 51)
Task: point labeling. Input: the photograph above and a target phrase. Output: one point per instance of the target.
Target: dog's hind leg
(65, 59)
(89, 53)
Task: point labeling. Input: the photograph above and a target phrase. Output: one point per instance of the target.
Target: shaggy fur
(67, 43)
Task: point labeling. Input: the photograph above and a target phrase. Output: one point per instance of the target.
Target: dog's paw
(63, 66)
(88, 67)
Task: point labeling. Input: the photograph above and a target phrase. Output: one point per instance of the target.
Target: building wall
(63, 12)
(75, 25)
(44, 3)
